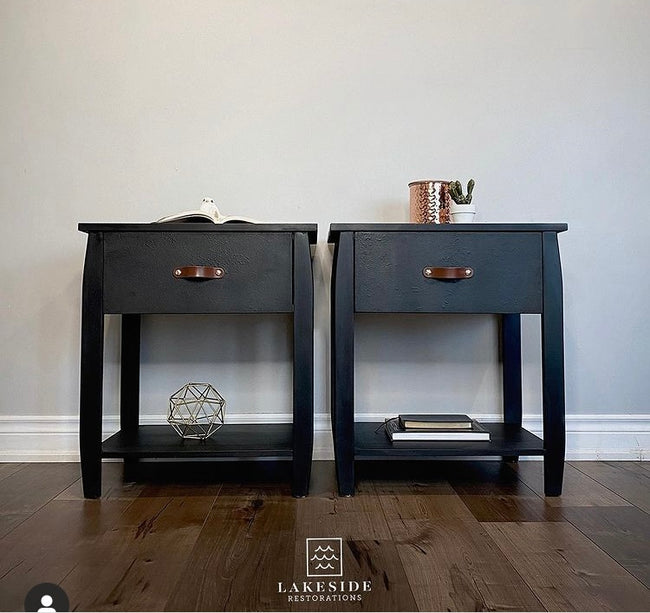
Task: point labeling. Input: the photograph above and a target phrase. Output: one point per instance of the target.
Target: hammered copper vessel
(430, 201)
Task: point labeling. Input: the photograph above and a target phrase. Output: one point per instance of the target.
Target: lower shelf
(371, 443)
(230, 442)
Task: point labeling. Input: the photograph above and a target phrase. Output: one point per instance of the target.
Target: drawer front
(506, 272)
(139, 272)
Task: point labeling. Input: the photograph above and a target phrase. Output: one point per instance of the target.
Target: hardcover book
(435, 421)
(396, 433)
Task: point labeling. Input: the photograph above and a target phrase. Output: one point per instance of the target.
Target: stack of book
(432, 427)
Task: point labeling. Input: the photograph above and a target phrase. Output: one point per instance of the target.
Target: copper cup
(430, 201)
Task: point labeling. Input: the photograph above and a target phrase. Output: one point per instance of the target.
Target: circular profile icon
(46, 598)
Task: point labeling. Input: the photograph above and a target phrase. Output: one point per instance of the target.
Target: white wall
(311, 111)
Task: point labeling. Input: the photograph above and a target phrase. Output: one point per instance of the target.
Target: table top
(337, 228)
(310, 228)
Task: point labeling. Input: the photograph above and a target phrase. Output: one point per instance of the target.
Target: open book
(208, 211)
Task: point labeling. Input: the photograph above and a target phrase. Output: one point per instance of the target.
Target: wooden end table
(507, 269)
(136, 269)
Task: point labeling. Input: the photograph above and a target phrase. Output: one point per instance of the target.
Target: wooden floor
(457, 536)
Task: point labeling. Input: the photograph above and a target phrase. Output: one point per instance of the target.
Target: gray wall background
(305, 111)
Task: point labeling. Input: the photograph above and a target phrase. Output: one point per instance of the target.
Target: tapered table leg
(92, 365)
(303, 365)
(553, 367)
(342, 373)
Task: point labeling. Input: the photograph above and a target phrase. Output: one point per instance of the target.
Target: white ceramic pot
(462, 213)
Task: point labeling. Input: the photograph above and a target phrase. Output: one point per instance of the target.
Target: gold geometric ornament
(196, 411)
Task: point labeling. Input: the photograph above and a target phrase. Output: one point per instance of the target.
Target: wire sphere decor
(196, 411)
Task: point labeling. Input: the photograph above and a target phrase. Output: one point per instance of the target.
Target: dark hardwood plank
(487, 478)
(455, 566)
(9, 468)
(368, 551)
(565, 570)
(379, 562)
(403, 500)
(9, 521)
(148, 549)
(627, 479)
(183, 490)
(356, 517)
(375, 561)
(323, 478)
(28, 489)
(450, 561)
(579, 489)
(622, 532)
(492, 492)
(193, 546)
(635, 466)
(114, 487)
(243, 551)
(48, 545)
(510, 508)
(432, 475)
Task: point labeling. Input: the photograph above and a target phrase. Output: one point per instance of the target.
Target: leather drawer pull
(448, 272)
(199, 272)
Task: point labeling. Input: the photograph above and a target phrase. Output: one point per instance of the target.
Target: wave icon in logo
(324, 557)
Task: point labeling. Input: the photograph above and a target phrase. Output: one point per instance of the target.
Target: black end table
(136, 269)
(506, 269)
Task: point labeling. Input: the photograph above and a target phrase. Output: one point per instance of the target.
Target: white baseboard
(54, 438)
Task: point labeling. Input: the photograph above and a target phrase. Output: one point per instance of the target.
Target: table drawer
(506, 272)
(139, 277)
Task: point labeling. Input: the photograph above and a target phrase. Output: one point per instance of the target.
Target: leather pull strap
(198, 272)
(448, 272)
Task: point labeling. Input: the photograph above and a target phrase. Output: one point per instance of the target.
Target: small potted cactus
(462, 210)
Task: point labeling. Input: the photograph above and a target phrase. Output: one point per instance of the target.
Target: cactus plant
(456, 192)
